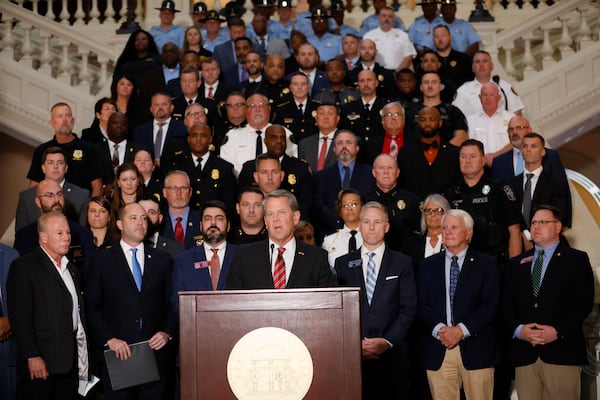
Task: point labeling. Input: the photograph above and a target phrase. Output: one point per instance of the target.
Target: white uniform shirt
(491, 131)
(467, 98)
(392, 47)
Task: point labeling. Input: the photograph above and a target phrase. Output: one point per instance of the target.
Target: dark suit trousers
(383, 379)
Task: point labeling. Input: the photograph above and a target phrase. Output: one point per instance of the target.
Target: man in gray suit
(265, 44)
(317, 150)
(55, 167)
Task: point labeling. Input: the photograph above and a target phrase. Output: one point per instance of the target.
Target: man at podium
(388, 304)
(280, 262)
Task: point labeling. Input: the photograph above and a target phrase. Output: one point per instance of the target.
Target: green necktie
(536, 274)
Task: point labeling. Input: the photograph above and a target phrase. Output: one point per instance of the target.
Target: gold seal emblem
(453, 63)
(292, 179)
(380, 78)
(77, 155)
(285, 90)
(401, 204)
(214, 174)
(211, 147)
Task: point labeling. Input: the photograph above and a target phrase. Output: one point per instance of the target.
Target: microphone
(496, 80)
(271, 257)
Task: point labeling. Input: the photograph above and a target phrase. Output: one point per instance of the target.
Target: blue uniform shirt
(175, 34)
(329, 45)
(421, 32)
(463, 35)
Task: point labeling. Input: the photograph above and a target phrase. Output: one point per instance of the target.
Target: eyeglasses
(195, 114)
(541, 222)
(257, 105)
(391, 114)
(174, 189)
(349, 205)
(235, 105)
(51, 195)
(433, 211)
(518, 127)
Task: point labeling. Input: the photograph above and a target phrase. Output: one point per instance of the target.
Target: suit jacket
(564, 301)
(76, 200)
(144, 134)
(475, 305)
(422, 179)
(110, 286)
(224, 54)
(40, 308)
(385, 77)
(320, 82)
(308, 150)
(504, 170)
(366, 124)
(188, 276)
(251, 268)
(93, 134)
(394, 303)
(328, 183)
(274, 46)
(220, 95)
(8, 353)
(192, 229)
(180, 104)
(231, 76)
(105, 154)
(548, 190)
(169, 246)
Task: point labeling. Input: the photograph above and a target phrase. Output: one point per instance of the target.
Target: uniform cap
(167, 5)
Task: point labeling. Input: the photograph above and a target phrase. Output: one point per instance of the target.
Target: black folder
(140, 368)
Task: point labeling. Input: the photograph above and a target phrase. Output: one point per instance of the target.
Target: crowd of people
(301, 153)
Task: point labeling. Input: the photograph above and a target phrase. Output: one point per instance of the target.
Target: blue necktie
(137, 269)
(454, 271)
(519, 169)
(371, 277)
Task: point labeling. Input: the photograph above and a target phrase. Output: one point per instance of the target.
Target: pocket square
(389, 278)
(201, 264)
(355, 263)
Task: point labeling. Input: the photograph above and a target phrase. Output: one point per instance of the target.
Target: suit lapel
(229, 252)
(51, 269)
(298, 258)
(553, 269)
(381, 275)
(124, 265)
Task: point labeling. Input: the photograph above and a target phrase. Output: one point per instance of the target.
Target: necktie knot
(367, 106)
(198, 164)
(454, 258)
(541, 253)
(215, 251)
(529, 176)
(178, 219)
(190, 101)
(280, 251)
(353, 233)
(371, 255)
(134, 252)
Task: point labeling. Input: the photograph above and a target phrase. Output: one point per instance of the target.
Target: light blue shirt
(421, 32)
(210, 45)
(175, 34)
(279, 31)
(447, 262)
(304, 24)
(329, 45)
(341, 169)
(171, 74)
(463, 35)
(372, 22)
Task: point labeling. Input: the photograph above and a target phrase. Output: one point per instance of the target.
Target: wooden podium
(326, 321)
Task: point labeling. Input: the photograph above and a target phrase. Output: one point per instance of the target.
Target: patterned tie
(393, 147)
(322, 155)
(371, 277)
(115, 157)
(279, 273)
(215, 269)
(536, 273)
(258, 143)
(346, 180)
(454, 272)
(179, 237)
(527, 199)
(137, 269)
(352, 241)
(349, 65)
(520, 166)
(210, 92)
(158, 141)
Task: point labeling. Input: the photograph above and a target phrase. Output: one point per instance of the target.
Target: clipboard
(140, 368)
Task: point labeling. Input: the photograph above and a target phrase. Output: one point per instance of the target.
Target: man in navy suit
(280, 262)
(308, 59)
(235, 74)
(127, 295)
(345, 173)
(548, 293)
(459, 292)
(156, 133)
(388, 303)
(507, 166)
(205, 266)
(224, 53)
(181, 222)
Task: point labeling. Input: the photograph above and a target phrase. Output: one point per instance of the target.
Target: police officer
(327, 44)
(493, 205)
(403, 207)
(250, 223)
(337, 93)
(272, 85)
(297, 111)
(211, 177)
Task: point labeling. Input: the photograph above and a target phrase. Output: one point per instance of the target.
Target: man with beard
(254, 68)
(308, 59)
(252, 225)
(205, 266)
(235, 74)
(273, 85)
(265, 44)
(367, 50)
(49, 197)
(155, 217)
(433, 163)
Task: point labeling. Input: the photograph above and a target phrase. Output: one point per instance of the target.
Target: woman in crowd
(151, 177)
(430, 240)
(348, 205)
(128, 186)
(193, 41)
(125, 94)
(139, 56)
(101, 221)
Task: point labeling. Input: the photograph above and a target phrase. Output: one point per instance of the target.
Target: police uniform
(453, 119)
(365, 124)
(421, 32)
(463, 34)
(467, 97)
(329, 45)
(493, 206)
(344, 96)
(456, 67)
(336, 244)
(279, 31)
(175, 34)
(491, 131)
(387, 83)
(372, 22)
(393, 47)
(404, 214)
(238, 236)
(220, 131)
(222, 36)
(275, 92)
(215, 181)
(301, 125)
(304, 23)
(81, 157)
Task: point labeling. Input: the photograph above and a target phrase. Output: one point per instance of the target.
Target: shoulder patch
(509, 192)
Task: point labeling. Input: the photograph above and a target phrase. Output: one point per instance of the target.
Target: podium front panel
(327, 322)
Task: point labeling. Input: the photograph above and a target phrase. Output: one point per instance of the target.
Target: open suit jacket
(40, 309)
(309, 149)
(144, 134)
(251, 267)
(475, 305)
(191, 272)
(192, 229)
(564, 300)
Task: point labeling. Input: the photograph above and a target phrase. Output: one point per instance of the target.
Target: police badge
(485, 190)
(292, 179)
(77, 155)
(401, 204)
(214, 174)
